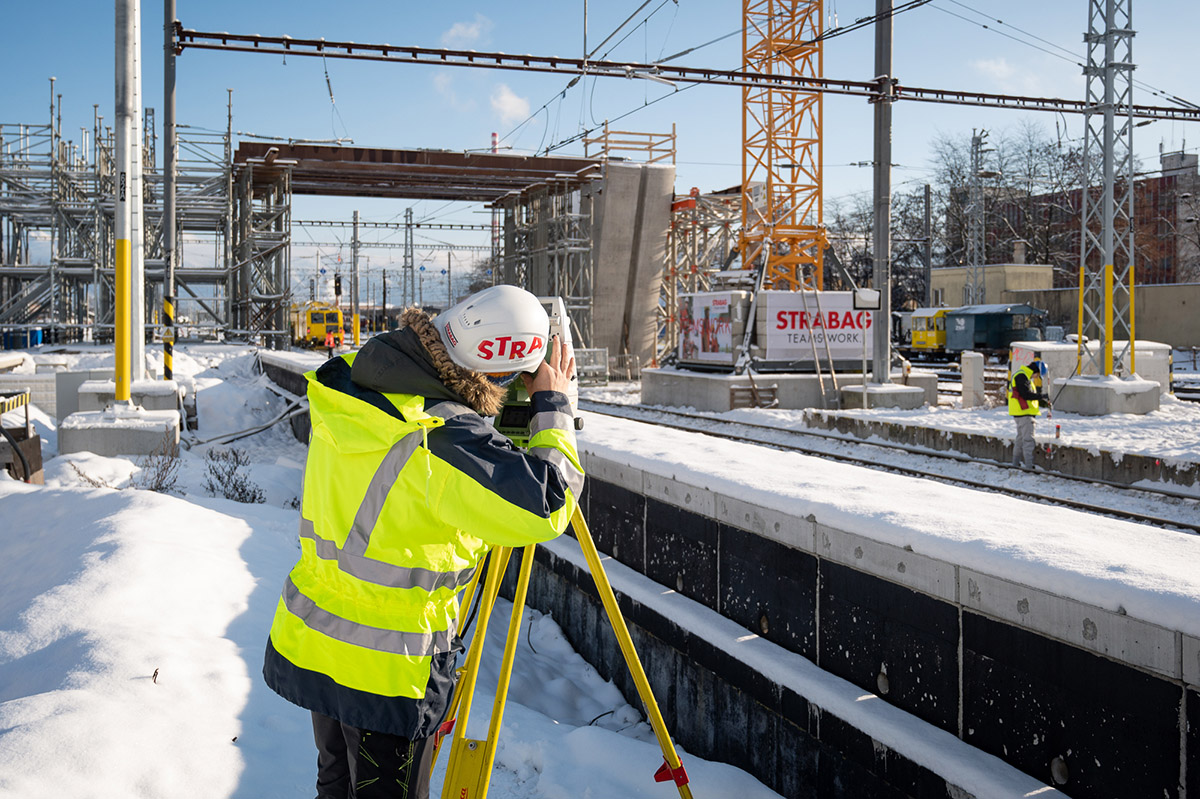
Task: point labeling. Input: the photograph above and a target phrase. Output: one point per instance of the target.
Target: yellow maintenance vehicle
(929, 332)
(312, 321)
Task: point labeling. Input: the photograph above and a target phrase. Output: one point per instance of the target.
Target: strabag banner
(790, 324)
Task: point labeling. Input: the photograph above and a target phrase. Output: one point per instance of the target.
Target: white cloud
(1010, 78)
(508, 106)
(997, 68)
(462, 34)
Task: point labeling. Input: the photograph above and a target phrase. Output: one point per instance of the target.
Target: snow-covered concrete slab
(120, 432)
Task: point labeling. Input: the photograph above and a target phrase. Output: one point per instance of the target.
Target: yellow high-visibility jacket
(403, 496)
(1019, 385)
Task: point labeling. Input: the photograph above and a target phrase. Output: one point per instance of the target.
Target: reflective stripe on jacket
(400, 504)
(1017, 404)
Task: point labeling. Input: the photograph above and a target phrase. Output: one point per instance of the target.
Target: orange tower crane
(781, 145)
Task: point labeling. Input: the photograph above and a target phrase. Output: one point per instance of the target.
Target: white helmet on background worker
(500, 330)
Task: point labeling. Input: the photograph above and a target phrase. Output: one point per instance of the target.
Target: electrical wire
(1071, 56)
(856, 25)
(333, 103)
(570, 84)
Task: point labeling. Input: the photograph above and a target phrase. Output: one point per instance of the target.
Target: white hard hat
(499, 330)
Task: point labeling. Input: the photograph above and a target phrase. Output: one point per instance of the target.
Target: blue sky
(457, 108)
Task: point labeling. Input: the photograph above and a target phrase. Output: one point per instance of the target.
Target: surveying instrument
(469, 770)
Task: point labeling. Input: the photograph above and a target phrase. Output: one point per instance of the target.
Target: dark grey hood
(413, 360)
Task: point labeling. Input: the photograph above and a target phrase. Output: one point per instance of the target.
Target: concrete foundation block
(680, 388)
(713, 391)
(1100, 396)
(877, 395)
(153, 395)
(120, 432)
(66, 389)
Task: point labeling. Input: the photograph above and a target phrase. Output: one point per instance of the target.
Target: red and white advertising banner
(789, 324)
(706, 325)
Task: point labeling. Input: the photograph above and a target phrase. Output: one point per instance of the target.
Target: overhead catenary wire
(1064, 53)
(561, 94)
(857, 24)
(332, 103)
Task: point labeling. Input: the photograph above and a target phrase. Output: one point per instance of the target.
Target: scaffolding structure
(703, 233)
(57, 229)
(548, 244)
(649, 148)
(260, 299)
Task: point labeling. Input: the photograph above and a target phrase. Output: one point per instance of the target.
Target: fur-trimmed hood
(413, 360)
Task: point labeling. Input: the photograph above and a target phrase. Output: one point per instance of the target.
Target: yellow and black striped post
(168, 337)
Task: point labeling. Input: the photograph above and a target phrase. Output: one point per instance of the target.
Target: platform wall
(1018, 673)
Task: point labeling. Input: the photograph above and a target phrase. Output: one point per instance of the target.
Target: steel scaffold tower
(1106, 267)
(781, 138)
(548, 245)
(702, 234)
(262, 248)
(57, 227)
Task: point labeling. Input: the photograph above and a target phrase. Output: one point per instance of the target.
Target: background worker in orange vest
(330, 341)
(1024, 403)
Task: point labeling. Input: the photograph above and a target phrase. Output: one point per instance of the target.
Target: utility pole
(354, 279)
(125, 44)
(409, 276)
(928, 249)
(976, 207)
(169, 176)
(137, 239)
(449, 290)
(383, 302)
(881, 360)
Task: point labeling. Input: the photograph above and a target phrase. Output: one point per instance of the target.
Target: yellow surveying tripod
(469, 771)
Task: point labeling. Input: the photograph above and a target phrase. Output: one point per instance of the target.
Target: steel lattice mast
(976, 223)
(781, 144)
(1106, 266)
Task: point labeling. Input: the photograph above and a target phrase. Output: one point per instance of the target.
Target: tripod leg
(464, 610)
(466, 688)
(673, 768)
(506, 667)
(469, 771)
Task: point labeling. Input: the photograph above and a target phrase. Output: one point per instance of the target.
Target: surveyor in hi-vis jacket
(407, 486)
(1024, 398)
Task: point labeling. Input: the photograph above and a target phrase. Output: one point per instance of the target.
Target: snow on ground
(105, 583)
(133, 622)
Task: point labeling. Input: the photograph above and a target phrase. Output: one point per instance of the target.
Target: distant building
(1166, 207)
(948, 284)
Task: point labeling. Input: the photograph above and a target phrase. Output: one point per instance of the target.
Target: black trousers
(360, 764)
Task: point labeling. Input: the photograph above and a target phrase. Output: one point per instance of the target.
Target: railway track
(1158, 507)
